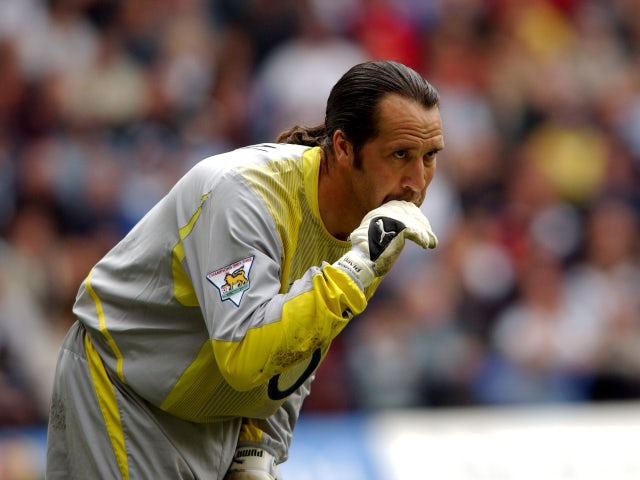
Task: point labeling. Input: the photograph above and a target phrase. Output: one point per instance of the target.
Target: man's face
(400, 162)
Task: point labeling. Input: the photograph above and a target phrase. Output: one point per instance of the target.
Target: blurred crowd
(533, 294)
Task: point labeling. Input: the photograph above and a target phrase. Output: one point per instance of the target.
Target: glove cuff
(251, 459)
(358, 268)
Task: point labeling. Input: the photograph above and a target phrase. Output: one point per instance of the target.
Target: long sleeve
(272, 322)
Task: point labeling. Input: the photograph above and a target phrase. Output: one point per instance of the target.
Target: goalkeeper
(198, 335)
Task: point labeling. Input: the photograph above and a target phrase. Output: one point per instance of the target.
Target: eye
(430, 156)
(400, 154)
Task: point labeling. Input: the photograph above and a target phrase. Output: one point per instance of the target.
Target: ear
(342, 148)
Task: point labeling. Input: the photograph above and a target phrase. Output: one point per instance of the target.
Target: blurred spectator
(266, 23)
(605, 285)
(112, 92)
(53, 38)
(544, 344)
(293, 83)
(448, 352)
(386, 373)
(12, 86)
(28, 339)
(385, 32)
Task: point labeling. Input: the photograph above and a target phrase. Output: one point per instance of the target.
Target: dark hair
(352, 106)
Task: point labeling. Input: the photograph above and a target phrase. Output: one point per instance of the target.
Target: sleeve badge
(232, 280)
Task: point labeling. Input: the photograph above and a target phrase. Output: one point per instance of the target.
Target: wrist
(252, 462)
(357, 267)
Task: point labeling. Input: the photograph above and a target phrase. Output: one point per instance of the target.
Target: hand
(378, 241)
(253, 463)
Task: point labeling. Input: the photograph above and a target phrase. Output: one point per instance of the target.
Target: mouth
(414, 198)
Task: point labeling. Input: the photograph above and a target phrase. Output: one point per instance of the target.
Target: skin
(398, 164)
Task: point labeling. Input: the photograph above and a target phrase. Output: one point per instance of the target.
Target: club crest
(233, 280)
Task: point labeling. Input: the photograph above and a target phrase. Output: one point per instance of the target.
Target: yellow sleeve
(308, 321)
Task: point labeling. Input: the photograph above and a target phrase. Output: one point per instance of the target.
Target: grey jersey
(222, 300)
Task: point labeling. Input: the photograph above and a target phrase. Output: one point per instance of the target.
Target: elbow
(242, 372)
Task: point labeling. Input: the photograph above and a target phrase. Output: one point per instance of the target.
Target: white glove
(378, 241)
(253, 463)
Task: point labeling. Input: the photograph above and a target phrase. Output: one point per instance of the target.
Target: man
(198, 335)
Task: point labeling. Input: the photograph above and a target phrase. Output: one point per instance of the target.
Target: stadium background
(531, 301)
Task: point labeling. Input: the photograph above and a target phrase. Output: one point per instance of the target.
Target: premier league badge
(232, 280)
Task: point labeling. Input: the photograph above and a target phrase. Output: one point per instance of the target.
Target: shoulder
(249, 157)
(270, 171)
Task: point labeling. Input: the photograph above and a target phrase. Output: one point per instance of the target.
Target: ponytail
(309, 136)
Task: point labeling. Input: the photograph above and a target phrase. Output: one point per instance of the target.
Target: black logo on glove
(381, 231)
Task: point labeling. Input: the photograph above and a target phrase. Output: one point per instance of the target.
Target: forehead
(403, 118)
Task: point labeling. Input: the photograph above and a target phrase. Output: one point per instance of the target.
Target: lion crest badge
(233, 280)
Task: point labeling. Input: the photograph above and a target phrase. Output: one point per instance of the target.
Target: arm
(372, 256)
(269, 326)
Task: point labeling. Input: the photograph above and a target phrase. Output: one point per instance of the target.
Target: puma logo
(384, 233)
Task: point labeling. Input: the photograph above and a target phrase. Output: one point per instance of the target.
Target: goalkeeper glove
(378, 241)
(253, 463)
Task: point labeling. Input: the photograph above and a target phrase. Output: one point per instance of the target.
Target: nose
(415, 178)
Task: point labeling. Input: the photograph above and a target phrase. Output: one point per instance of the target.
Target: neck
(334, 201)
